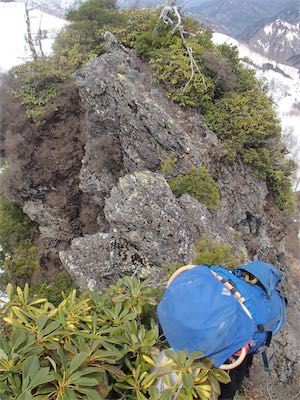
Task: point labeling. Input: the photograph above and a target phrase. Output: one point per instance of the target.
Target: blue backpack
(219, 311)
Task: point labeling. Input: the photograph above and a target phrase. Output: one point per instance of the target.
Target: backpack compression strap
(234, 292)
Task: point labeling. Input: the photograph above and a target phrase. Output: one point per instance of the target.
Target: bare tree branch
(39, 38)
(29, 37)
(170, 15)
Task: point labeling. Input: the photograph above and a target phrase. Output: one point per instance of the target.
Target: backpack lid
(198, 313)
(268, 275)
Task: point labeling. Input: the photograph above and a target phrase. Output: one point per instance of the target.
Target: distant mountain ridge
(280, 37)
(271, 27)
(236, 17)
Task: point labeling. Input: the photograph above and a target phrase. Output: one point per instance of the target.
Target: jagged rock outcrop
(147, 230)
(68, 174)
(44, 165)
(131, 125)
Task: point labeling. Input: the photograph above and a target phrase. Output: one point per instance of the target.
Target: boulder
(147, 230)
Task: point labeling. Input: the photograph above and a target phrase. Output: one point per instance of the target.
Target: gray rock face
(242, 193)
(51, 224)
(148, 229)
(143, 210)
(202, 222)
(243, 207)
(131, 125)
(92, 252)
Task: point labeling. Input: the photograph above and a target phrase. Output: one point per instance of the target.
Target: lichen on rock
(147, 230)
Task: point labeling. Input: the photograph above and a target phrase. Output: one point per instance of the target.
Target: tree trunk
(29, 37)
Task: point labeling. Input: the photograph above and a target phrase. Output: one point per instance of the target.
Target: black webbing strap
(265, 360)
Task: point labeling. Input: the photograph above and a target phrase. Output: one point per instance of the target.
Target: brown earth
(44, 164)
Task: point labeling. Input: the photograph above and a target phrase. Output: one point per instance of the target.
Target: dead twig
(170, 15)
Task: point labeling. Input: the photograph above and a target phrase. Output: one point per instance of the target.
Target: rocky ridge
(131, 128)
(90, 176)
(93, 168)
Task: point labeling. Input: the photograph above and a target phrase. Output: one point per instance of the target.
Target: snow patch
(13, 47)
(268, 29)
(292, 35)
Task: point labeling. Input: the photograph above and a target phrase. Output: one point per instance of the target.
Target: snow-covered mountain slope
(279, 38)
(283, 86)
(236, 17)
(153, 3)
(13, 47)
(54, 7)
(270, 26)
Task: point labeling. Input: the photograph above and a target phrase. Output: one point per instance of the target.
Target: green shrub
(55, 290)
(19, 265)
(168, 164)
(89, 18)
(280, 182)
(170, 269)
(248, 126)
(239, 397)
(3, 165)
(198, 184)
(245, 120)
(18, 255)
(133, 25)
(213, 253)
(94, 347)
(15, 226)
(40, 81)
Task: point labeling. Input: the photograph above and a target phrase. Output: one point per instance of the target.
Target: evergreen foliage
(213, 253)
(15, 227)
(89, 18)
(94, 347)
(20, 264)
(19, 256)
(168, 164)
(198, 184)
(39, 81)
(54, 291)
